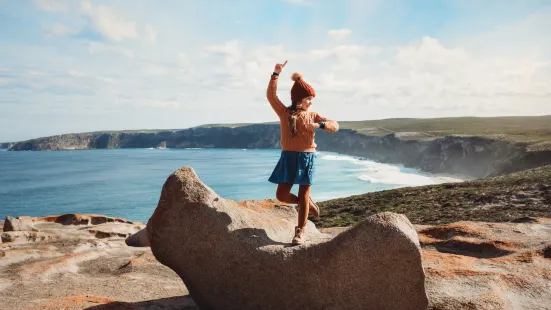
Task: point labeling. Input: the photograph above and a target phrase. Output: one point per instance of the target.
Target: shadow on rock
(177, 302)
(257, 236)
(466, 248)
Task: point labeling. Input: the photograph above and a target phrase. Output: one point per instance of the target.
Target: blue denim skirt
(295, 168)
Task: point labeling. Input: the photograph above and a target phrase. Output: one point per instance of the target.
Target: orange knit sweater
(303, 141)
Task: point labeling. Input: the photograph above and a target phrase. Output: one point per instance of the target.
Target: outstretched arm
(271, 94)
(329, 125)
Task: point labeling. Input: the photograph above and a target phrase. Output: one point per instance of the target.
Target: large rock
(238, 255)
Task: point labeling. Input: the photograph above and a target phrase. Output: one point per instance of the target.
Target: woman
(296, 164)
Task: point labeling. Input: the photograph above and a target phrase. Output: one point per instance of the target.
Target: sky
(81, 65)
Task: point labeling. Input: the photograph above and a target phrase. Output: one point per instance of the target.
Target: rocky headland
(199, 248)
(471, 147)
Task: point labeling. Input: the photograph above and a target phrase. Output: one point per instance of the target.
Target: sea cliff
(471, 156)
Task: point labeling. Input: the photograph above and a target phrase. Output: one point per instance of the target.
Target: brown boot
(314, 209)
(299, 235)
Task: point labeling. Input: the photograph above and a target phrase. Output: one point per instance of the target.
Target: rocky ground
(85, 264)
(477, 265)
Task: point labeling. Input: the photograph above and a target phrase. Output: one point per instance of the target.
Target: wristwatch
(322, 125)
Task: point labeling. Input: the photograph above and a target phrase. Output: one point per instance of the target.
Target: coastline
(462, 155)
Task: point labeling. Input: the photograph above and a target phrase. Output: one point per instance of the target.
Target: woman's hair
(292, 110)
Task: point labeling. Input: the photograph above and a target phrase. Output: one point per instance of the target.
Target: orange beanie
(300, 89)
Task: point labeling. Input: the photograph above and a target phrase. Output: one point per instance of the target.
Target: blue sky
(83, 65)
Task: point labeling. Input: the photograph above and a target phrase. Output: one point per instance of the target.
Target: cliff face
(470, 156)
(253, 136)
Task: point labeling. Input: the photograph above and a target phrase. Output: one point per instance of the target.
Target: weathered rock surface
(86, 266)
(476, 265)
(64, 227)
(239, 256)
(484, 266)
(13, 224)
(468, 265)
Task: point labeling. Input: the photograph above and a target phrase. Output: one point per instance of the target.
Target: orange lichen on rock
(426, 240)
(455, 273)
(257, 204)
(522, 257)
(444, 232)
(448, 260)
(449, 265)
(516, 281)
(76, 219)
(23, 252)
(141, 259)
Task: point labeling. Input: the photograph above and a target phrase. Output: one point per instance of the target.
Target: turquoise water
(127, 182)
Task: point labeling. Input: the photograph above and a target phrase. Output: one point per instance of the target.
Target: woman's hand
(279, 67)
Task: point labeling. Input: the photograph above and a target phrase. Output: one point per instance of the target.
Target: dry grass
(499, 199)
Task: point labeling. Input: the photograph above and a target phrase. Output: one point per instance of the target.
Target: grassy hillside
(526, 193)
(535, 130)
(516, 128)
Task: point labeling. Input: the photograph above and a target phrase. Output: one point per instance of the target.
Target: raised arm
(330, 125)
(271, 94)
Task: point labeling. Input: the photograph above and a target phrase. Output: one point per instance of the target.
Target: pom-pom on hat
(300, 89)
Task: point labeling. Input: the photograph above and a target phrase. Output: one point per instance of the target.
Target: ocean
(127, 182)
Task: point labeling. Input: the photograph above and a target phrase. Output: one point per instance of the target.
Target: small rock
(28, 236)
(13, 224)
(138, 239)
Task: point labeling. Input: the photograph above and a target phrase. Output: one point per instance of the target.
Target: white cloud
(150, 33)
(97, 47)
(109, 22)
(339, 33)
(82, 75)
(230, 48)
(424, 72)
(488, 73)
(431, 51)
(53, 6)
(58, 29)
(163, 104)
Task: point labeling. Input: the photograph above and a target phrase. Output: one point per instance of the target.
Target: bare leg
(284, 194)
(303, 204)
